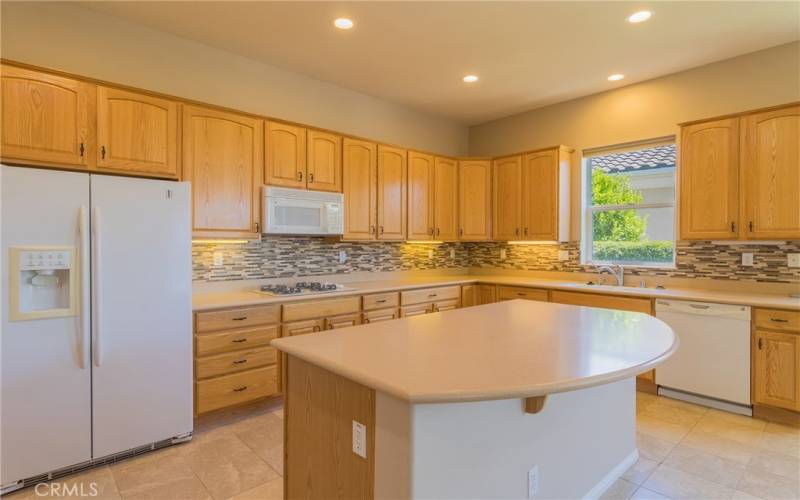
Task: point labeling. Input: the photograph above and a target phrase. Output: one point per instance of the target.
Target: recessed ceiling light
(638, 17)
(616, 77)
(470, 79)
(343, 23)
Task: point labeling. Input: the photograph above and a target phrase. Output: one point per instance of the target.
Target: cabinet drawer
(321, 308)
(302, 327)
(213, 343)
(778, 320)
(415, 310)
(603, 301)
(446, 305)
(381, 315)
(521, 292)
(342, 321)
(381, 300)
(430, 295)
(237, 318)
(237, 388)
(220, 364)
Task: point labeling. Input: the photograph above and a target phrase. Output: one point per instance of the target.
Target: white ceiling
(527, 54)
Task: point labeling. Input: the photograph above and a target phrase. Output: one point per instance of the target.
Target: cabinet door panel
(486, 294)
(302, 327)
(777, 377)
(771, 174)
(223, 159)
(286, 155)
(381, 315)
(324, 161)
(540, 196)
(445, 199)
(137, 133)
(475, 200)
(46, 118)
(391, 193)
(359, 176)
(709, 180)
(507, 193)
(420, 196)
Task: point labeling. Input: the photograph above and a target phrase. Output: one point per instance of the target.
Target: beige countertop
(512, 349)
(218, 300)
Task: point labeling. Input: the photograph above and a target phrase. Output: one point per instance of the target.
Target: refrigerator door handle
(83, 316)
(97, 291)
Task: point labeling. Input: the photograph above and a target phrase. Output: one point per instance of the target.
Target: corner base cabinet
(776, 359)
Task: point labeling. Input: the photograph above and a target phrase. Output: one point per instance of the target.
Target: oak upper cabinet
(507, 194)
(776, 364)
(420, 196)
(770, 166)
(545, 195)
(709, 180)
(445, 199)
(136, 133)
(286, 155)
(474, 200)
(223, 159)
(360, 186)
(391, 193)
(46, 119)
(324, 169)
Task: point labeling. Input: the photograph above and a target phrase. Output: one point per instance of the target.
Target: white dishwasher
(713, 357)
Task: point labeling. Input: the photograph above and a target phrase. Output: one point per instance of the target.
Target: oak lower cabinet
(137, 133)
(233, 360)
(46, 119)
(776, 359)
(524, 293)
(223, 159)
(318, 315)
(379, 307)
(429, 300)
(644, 381)
(474, 200)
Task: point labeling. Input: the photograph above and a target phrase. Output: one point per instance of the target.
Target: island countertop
(505, 350)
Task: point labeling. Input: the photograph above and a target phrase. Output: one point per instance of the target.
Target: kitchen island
(471, 403)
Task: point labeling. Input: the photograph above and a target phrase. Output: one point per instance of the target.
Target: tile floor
(686, 451)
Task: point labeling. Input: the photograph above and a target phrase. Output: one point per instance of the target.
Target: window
(630, 205)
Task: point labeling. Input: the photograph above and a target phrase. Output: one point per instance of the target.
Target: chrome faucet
(619, 273)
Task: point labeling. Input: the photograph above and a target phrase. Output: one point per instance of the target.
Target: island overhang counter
(471, 403)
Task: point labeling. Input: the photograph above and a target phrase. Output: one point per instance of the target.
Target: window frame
(588, 210)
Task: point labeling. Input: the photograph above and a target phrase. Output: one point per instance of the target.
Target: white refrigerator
(96, 318)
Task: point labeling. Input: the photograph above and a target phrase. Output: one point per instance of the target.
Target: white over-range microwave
(301, 212)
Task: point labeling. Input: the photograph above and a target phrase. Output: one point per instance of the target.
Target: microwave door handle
(324, 218)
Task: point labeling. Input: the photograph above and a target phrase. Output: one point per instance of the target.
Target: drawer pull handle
(381, 301)
(240, 318)
(432, 295)
(522, 294)
(240, 361)
(240, 389)
(779, 320)
(239, 340)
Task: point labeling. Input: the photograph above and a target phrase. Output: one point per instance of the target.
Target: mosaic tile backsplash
(278, 257)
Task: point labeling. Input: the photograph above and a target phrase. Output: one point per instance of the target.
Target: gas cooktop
(302, 288)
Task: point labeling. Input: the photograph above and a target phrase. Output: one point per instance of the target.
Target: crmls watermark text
(66, 490)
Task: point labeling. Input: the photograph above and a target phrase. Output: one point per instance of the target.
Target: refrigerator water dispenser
(43, 282)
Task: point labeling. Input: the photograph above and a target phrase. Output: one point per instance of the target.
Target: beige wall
(646, 110)
(74, 39)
